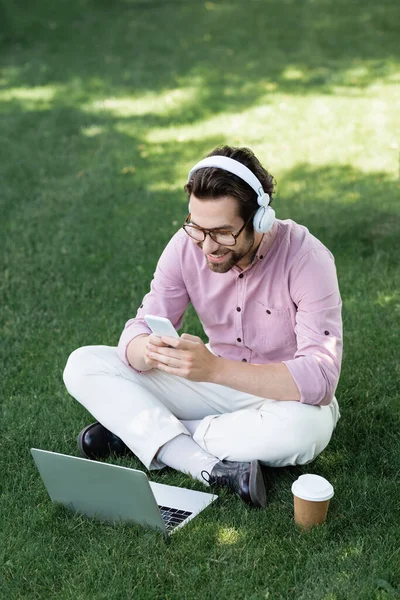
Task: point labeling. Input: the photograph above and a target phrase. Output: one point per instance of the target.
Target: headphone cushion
(264, 219)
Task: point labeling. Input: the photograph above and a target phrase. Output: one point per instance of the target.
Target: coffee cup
(311, 495)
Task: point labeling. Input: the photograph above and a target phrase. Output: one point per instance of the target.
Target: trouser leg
(278, 433)
(114, 394)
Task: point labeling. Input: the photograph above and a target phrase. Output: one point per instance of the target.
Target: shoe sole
(257, 490)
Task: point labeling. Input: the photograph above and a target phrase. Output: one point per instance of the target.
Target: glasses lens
(224, 238)
(194, 232)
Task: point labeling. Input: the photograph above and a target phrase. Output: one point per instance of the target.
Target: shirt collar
(264, 248)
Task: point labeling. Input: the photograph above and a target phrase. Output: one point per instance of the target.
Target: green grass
(104, 106)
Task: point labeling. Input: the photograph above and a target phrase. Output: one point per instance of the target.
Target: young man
(262, 390)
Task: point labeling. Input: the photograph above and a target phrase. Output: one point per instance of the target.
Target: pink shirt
(284, 307)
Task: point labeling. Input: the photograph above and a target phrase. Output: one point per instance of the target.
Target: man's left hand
(187, 357)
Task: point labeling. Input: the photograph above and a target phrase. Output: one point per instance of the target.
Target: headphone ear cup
(264, 219)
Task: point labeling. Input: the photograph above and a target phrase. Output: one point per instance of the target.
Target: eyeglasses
(220, 236)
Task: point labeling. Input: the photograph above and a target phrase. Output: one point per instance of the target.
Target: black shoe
(95, 441)
(244, 478)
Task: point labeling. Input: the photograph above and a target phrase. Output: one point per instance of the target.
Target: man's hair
(213, 183)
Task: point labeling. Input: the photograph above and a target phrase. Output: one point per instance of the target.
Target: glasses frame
(212, 232)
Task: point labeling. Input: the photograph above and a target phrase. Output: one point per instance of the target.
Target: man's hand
(153, 341)
(188, 357)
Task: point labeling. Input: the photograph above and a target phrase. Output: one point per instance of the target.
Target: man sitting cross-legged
(261, 392)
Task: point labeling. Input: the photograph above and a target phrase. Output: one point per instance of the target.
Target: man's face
(221, 213)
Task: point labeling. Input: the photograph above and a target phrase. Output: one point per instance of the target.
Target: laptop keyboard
(173, 516)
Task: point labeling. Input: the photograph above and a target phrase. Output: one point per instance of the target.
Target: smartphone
(161, 326)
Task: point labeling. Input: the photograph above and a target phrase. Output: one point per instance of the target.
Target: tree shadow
(230, 54)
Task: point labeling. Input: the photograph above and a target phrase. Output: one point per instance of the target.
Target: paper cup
(311, 495)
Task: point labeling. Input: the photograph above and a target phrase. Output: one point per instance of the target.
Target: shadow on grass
(228, 55)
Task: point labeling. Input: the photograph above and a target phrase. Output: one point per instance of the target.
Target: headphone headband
(232, 166)
(265, 216)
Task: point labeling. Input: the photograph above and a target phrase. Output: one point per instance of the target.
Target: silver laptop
(113, 493)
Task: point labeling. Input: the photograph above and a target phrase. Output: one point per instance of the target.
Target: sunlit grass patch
(146, 104)
(36, 98)
(229, 536)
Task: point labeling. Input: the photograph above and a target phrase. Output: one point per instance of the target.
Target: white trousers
(145, 410)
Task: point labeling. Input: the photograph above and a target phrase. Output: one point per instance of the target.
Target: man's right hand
(137, 351)
(154, 340)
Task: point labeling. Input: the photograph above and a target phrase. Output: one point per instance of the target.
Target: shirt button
(326, 332)
(268, 312)
(241, 276)
(141, 306)
(244, 360)
(239, 339)
(261, 257)
(238, 309)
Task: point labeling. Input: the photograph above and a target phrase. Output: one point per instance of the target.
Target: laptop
(113, 493)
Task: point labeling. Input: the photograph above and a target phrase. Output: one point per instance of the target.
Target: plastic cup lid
(312, 487)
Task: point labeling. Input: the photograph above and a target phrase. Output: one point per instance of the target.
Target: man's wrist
(217, 370)
(136, 353)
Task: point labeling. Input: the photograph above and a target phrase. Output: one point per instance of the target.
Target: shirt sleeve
(315, 291)
(168, 297)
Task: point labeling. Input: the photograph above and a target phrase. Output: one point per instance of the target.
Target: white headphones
(265, 215)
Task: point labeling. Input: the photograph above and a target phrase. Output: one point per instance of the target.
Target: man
(261, 392)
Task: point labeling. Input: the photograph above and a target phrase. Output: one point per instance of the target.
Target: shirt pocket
(268, 329)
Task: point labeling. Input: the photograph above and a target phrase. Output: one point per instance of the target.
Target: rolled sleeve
(133, 328)
(168, 297)
(315, 367)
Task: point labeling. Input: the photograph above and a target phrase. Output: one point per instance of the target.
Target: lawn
(104, 107)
